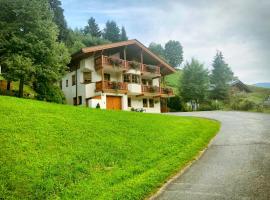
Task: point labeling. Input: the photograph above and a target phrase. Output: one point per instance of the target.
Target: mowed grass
(50, 151)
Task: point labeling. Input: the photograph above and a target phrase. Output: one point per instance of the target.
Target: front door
(113, 103)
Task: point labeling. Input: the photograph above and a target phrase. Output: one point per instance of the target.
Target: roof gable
(88, 50)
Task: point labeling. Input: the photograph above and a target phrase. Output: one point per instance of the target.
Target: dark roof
(240, 85)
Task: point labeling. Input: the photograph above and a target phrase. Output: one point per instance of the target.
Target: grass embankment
(173, 80)
(51, 151)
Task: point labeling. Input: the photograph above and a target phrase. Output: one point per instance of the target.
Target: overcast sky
(238, 28)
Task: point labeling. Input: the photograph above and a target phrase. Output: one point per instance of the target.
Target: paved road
(235, 166)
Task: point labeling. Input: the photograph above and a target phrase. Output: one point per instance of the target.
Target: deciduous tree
(174, 53)
(28, 42)
(157, 49)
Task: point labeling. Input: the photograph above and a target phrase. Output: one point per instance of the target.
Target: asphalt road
(235, 166)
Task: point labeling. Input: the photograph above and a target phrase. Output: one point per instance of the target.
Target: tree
(77, 40)
(194, 82)
(92, 28)
(28, 43)
(174, 53)
(157, 49)
(19, 68)
(111, 32)
(59, 19)
(123, 36)
(220, 78)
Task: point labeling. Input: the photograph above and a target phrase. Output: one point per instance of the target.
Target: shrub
(246, 105)
(175, 104)
(50, 93)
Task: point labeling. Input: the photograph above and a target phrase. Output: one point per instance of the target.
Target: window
(135, 78)
(129, 102)
(66, 83)
(74, 101)
(126, 78)
(107, 77)
(145, 103)
(87, 77)
(151, 103)
(80, 100)
(144, 82)
(73, 80)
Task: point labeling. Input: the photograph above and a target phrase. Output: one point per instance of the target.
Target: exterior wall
(138, 103)
(102, 101)
(91, 98)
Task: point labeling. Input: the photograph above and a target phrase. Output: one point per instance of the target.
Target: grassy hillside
(51, 151)
(173, 80)
(258, 94)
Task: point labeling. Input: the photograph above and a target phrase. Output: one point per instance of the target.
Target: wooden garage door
(114, 103)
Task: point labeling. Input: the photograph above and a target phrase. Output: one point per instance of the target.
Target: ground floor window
(145, 103)
(80, 100)
(129, 102)
(74, 101)
(151, 103)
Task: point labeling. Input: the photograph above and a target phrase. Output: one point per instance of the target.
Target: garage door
(114, 103)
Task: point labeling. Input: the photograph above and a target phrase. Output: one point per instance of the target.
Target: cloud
(240, 29)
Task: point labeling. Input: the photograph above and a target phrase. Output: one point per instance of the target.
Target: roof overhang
(87, 51)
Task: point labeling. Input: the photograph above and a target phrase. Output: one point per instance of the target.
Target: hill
(173, 80)
(263, 85)
(52, 151)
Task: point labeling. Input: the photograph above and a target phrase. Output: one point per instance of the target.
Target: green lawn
(51, 151)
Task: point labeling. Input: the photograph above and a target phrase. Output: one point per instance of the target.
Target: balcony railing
(151, 69)
(111, 85)
(125, 64)
(166, 91)
(150, 89)
(157, 90)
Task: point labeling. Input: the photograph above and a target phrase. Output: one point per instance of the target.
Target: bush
(211, 105)
(246, 105)
(50, 93)
(175, 104)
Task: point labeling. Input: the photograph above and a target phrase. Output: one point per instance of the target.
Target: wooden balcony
(110, 62)
(123, 65)
(152, 69)
(166, 91)
(156, 91)
(111, 87)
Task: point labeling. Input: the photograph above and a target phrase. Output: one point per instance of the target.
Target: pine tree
(111, 32)
(194, 82)
(123, 36)
(92, 28)
(221, 77)
(59, 19)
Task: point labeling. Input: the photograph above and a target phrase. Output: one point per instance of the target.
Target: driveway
(235, 166)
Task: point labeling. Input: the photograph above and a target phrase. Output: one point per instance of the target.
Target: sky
(240, 29)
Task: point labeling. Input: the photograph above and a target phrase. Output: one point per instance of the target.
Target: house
(238, 86)
(120, 76)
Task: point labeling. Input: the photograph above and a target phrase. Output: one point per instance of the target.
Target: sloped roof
(88, 50)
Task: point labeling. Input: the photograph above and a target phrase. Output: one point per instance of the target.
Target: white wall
(138, 103)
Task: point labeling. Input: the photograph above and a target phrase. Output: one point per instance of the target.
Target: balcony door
(114, 103)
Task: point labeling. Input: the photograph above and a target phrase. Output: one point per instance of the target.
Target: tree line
(200, 87)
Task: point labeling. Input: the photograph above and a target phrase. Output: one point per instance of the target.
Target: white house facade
(118, 76)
